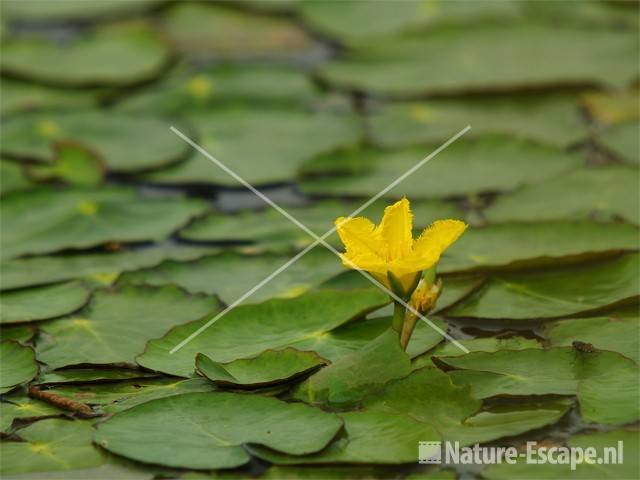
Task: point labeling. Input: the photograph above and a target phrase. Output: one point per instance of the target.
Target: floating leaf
(40, 303)
(267, 368)
(200, 90)
(353, 376)
(251, 329)
(18, 407)
(448, 60)
(425, 406)
(109, 56)
(12, 177)
(536, 244)
(613, 333)
(215, 32)
(20, 333)
(555, 293)
(353, 21)
(99, 267)
(162, 431)
(116, 324)
(115, 138)
(18, 365)
(353, 336)
(260, 145)
(605, 382)
(19, 97)
(211, 275)
(554, 120)
(47, 220)
(490, 164)
(622, 141)
(602, 192)
(69, 10)
(52, 445)
(488, 344)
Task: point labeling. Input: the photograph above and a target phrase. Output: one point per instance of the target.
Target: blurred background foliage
(319, 104)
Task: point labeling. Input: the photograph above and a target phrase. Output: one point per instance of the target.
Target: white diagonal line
(318, 240)
(241, 299)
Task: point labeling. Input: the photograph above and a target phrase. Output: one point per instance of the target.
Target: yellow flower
(390, 247)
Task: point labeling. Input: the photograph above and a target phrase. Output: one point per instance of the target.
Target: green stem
(398, 316)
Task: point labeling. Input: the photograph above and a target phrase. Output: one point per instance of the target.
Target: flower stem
(398, 316)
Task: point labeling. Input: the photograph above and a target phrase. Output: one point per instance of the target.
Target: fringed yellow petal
(369, 263)
(359, 237)
(396, 229)
(437, 238)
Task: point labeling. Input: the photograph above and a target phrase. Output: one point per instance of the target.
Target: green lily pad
(115, 138)
(554, 120)
(627, 468)
(198, 91)
(487, 344)
(617, 334)
(19, 97)
(600, 192)
(622, 141)
(52, 445)
(555, 293)
(353, 376)
(118, 396)
(19, 333)
(251, 329)
(48, 220)
(536, 244)
(116, 324)
(97, 267)
(162, 431)
(425, 406)
(490, 164)
(250, 142)
(604, 382)
(461, 59)
(73, 9)
(111, 468)
(213, 274)
(39, 303)
(108, 56)
(12, 177)
(18, 365)
(588, 14)
(270, 228)
(207, 32)
(74, 165)
(354, 22)
(353, 336)
(267, 368)
(23, 408)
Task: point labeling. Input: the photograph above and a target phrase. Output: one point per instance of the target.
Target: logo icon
(430, 452)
